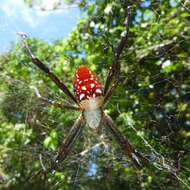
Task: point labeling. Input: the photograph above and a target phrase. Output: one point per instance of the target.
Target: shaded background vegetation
(151, 104)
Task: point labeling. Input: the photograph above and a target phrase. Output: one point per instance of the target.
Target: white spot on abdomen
(83, 88)
(92, 85)
(98, 91)
(81, 96)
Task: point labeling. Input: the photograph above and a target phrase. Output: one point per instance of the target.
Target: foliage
(151, 104)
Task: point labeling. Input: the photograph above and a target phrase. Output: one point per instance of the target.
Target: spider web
(96, 147)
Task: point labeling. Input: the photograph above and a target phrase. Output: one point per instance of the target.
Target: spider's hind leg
(69, 141)
(138, 160)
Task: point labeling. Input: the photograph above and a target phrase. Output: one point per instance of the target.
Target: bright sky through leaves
(15, 16)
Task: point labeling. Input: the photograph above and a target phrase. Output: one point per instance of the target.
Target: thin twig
(41, 162)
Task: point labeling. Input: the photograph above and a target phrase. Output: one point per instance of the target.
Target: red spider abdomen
(86, 84)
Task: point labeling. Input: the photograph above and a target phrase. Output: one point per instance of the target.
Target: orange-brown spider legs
(114, 71)
(137, 159)
(62, 105)
(67, 144)
(64, 148)
(46, 70)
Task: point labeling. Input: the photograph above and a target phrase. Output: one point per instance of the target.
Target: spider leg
(138, 160)
(67, 144)
(46, 70)
(64, 149)
(114, 71)
(60, 105)
(64, 105)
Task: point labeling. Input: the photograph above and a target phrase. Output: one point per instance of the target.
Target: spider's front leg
(67, 144)
(114, 71)
(46, 70)
(138, 160)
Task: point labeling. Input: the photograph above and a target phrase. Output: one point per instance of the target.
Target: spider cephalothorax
(90, 98)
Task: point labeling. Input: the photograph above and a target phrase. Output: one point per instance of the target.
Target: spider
(90, 99)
